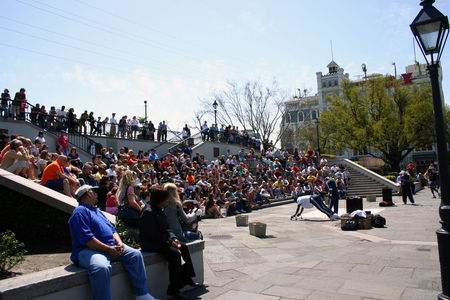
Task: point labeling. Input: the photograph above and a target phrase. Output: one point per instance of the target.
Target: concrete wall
(41, 193)
(136, 145)
(72, 283)
(207, 148)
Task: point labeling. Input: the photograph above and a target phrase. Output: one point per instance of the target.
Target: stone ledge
(53, 281)
(41, 193)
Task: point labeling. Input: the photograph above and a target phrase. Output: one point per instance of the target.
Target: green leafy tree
(11, 251)
(381, 117)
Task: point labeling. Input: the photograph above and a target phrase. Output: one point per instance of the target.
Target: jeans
(191, 235)
(99, 270)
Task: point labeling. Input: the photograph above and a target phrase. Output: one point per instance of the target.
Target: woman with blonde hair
(175, 212)
(129, 205)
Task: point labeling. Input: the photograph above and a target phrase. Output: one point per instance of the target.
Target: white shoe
(145, 297)
(334, 217)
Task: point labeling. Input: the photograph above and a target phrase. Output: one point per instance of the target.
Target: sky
(109, 56)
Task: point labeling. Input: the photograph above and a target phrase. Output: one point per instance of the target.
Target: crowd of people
(231, 184)
(57, 119)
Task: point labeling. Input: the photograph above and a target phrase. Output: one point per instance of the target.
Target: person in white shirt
(134, 127)
(111, 170)
(205, 130)
(113, 124)
(308, 201)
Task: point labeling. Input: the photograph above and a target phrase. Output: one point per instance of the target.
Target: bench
(71, 282)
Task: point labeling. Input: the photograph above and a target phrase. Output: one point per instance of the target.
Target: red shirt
(63, 141)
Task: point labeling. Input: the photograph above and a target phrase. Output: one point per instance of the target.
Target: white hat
(83, 190)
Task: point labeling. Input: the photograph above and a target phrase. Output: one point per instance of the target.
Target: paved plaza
(313, 259)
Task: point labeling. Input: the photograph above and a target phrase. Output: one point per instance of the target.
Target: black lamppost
(215, 111)
(145, 104)
(318, 138)
(430, 29)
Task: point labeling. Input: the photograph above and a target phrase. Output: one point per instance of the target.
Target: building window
(300, 116)
(324, 84)
(314, 115)
(329, 83)
(336, 82)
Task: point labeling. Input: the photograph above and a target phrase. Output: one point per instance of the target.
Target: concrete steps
(363, 186)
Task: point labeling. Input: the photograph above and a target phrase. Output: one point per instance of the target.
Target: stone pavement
(313, 259)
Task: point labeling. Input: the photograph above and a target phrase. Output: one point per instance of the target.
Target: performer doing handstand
(308, 201)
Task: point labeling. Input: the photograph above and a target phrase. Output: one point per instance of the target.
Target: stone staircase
(365, 182)
(363, 186)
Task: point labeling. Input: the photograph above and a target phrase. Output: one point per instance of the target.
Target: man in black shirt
(19, 100)
(5, 103)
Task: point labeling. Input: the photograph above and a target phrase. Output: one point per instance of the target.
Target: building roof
(332, 64)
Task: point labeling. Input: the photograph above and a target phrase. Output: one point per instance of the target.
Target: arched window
(329, 83)
(335, 82)
(301, 116)
(324, 84)
(314, 115)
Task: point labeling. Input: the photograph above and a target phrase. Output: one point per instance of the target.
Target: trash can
(387, 195)
(354, 203)
(242, 220)
(257, 229)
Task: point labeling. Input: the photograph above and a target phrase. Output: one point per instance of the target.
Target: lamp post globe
(430, 29)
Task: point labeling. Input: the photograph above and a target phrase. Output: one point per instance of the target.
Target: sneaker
(334, 217)
(434, 196)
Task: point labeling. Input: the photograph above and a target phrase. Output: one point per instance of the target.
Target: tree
(252, 107)
(306, 136)
(381, 117)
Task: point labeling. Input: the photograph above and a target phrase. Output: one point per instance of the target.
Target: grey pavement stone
(386, 263)
(418, 294)
(319, 295)
(397, 272)
(279, 279)
(233, 274)
(234, 295)
(358, 287)
(335, 266)
(289, 292)
(322, 283)
(248, 285)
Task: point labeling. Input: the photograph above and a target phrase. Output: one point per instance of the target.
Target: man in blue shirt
(95, 243)
(153, 156)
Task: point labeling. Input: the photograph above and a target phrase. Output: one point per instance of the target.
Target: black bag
(125, 212)
(349, 225)
(378, 221)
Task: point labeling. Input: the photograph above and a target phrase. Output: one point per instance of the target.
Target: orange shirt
(50, 172)
(6, 149)
(190, 179)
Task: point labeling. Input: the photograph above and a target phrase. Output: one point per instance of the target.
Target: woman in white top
(41, 138)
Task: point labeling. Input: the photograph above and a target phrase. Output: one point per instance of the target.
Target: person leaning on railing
(6, 99)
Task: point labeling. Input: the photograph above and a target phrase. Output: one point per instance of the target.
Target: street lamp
(430, 29)
(215, 111)
(318, 138)
(145, 104)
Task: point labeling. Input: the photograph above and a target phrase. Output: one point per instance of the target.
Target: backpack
(378, 221)
(349, 224)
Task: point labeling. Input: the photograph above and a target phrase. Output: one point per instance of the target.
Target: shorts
(134, 128)
(56, 185)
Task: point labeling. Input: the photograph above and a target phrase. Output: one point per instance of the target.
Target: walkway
(313, 259)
